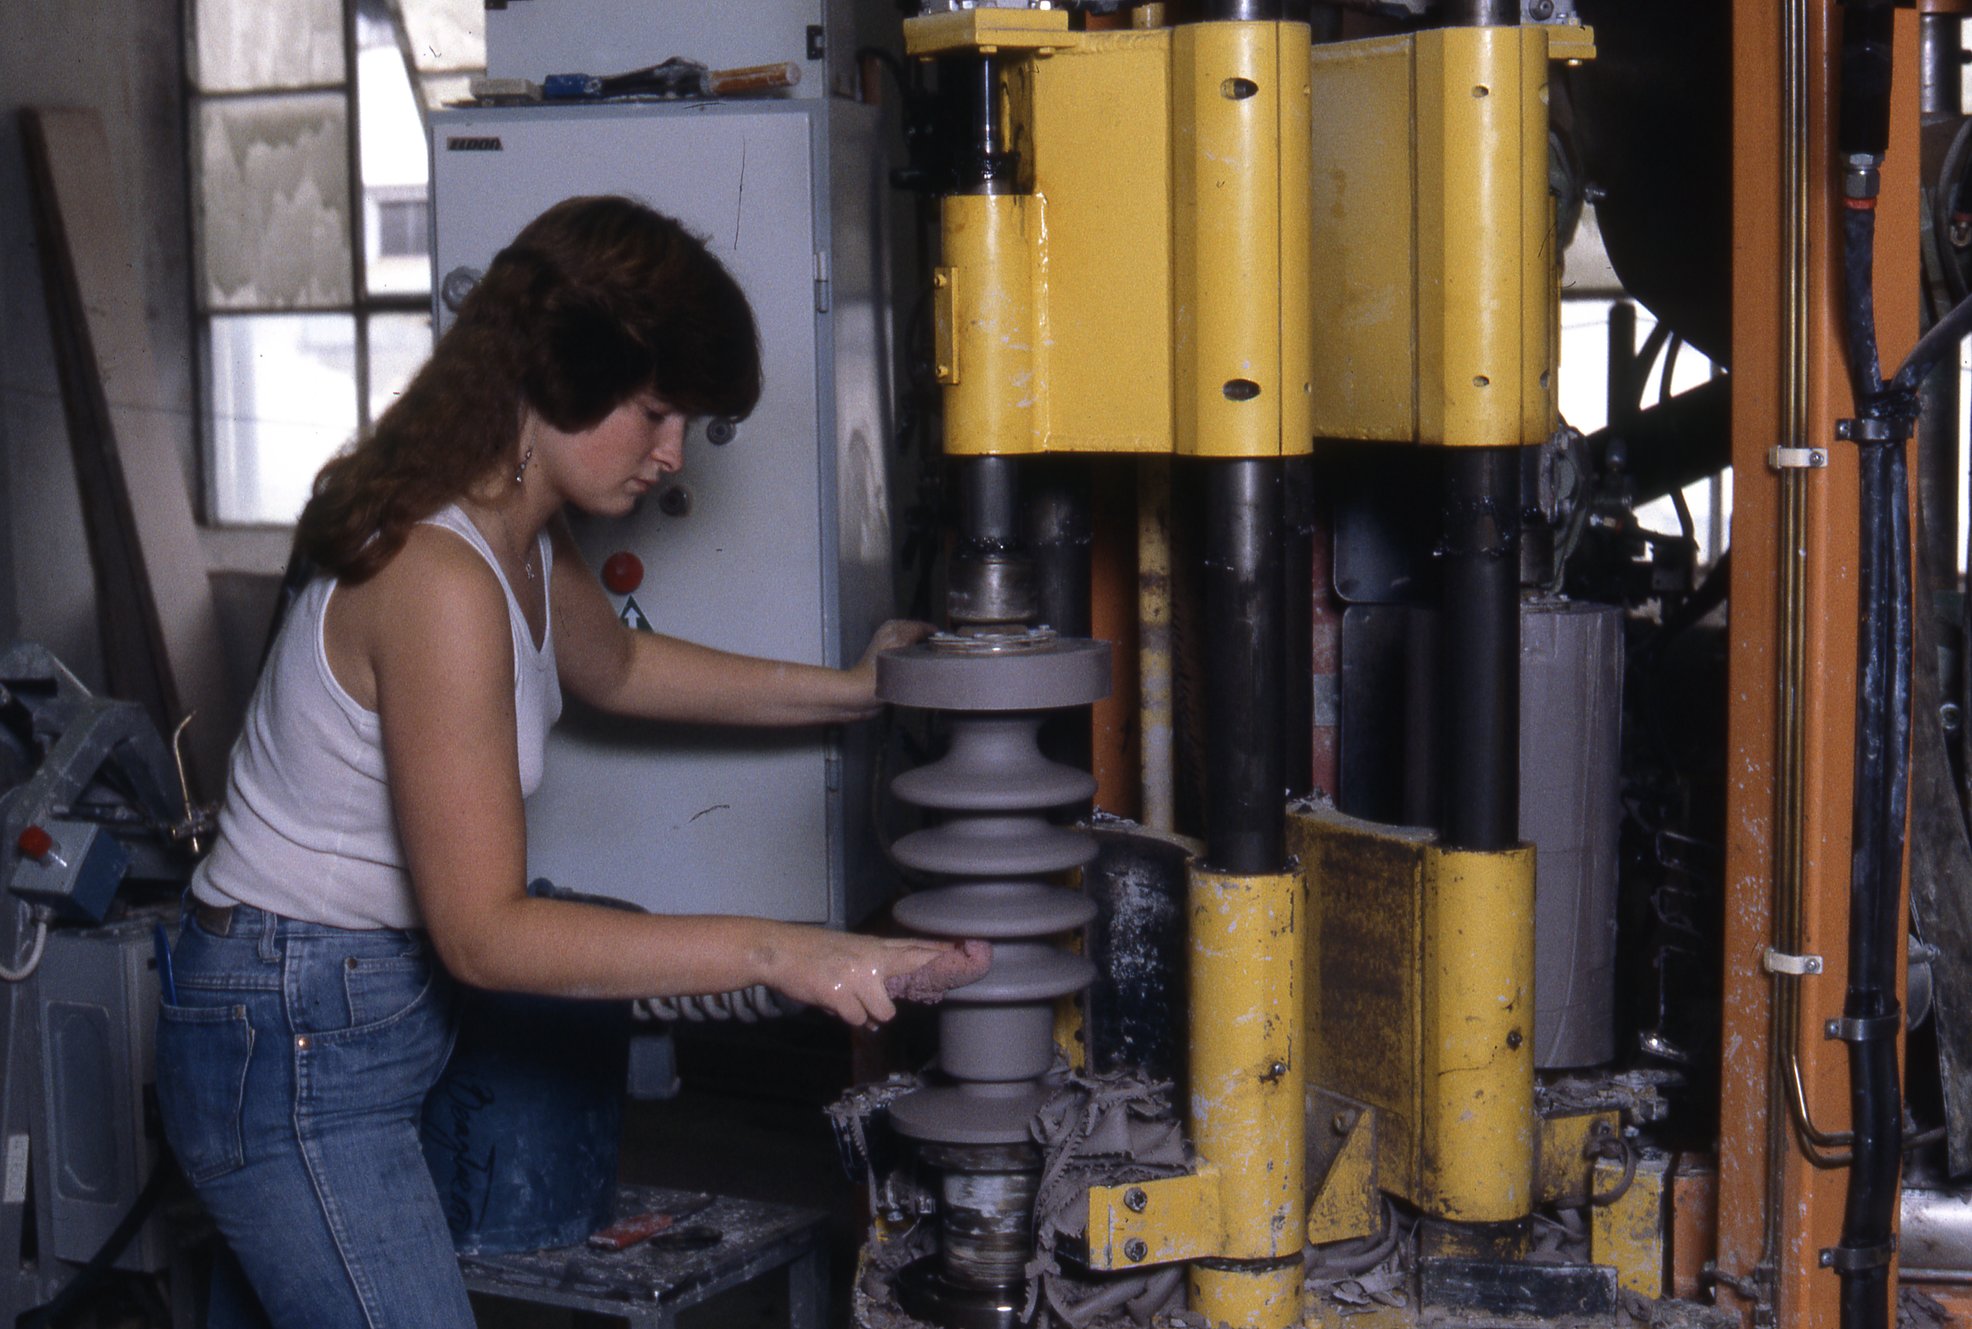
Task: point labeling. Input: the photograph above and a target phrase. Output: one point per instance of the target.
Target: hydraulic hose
(1885, 413)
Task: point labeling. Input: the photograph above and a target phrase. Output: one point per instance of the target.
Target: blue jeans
(291, 1070)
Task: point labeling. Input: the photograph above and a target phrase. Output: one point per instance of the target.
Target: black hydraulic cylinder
(1483, 13)
(1479, 649)
(984, 165)
(1059, 536)
(989, 503)
(1245, 11)
(1298, 693)
(1245, 614)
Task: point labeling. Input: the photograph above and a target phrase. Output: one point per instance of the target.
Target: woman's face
(604, 470)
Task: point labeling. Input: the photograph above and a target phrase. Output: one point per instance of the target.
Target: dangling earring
(520, 472)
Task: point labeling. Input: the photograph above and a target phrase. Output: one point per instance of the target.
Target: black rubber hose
(1875, 934)
(1883, 666)
(1859, 303)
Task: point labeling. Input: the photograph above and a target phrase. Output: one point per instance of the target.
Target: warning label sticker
(633, 617)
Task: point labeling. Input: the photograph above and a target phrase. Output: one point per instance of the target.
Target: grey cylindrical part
(996, 1043)
(1934, 1241)
(1571, 687)
(986, 1218)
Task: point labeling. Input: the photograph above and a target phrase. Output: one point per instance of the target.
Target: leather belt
(216, 919)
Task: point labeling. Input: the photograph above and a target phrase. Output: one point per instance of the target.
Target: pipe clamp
(1857, 1259)
(1776, 961)
(1865, 1029)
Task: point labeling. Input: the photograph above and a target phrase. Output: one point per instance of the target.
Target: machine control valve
(73, 867)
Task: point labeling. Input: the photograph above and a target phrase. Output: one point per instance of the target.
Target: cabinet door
(684, 821)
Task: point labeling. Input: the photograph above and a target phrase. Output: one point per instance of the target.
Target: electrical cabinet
(775, 541)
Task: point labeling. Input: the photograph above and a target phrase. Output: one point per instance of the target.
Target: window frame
(364, 305)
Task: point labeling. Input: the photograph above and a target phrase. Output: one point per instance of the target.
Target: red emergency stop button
(623, 572)
(35, 842)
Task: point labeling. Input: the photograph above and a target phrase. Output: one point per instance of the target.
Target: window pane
(395, 170)
(282, 400)
(446, 35)
(247, 44)
(399, 346)
(274, 202)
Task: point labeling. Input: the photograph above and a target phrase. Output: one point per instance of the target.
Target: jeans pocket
(380, 988)
(202, 1058)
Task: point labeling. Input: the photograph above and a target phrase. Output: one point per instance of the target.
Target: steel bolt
(1134, 1250)
(1513, 1040)
(1542, 10)
(1345, 1121)
(1135, 1200)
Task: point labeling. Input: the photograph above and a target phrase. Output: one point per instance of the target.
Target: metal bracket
(1894, 429)
(1856, 1259)
(1865, 1029)
(1776, 961)
(1792, 459)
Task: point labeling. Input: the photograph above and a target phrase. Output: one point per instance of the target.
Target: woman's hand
(890, 636)
(845, 973)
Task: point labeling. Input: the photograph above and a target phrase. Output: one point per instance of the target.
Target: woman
(372, 842)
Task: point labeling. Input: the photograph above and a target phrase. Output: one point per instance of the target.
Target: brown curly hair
(597, 299)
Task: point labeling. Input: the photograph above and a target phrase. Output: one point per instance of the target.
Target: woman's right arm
(440, 648)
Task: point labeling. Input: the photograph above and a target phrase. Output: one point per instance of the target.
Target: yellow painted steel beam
(1420, 1004)
(1477, 1114)
(1247, 1088)
(1347, 1203)
(987, 31)
(1156, 1221)
(1161, 301)
(1627, 1231)
(1436, 301)
(1239, 185)
(1563, 1163)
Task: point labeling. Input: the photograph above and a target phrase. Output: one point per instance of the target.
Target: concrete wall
(126, 61)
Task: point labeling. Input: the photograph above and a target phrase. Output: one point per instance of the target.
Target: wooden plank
(155, 602)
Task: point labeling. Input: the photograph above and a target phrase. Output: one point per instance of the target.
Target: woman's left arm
(646, 674)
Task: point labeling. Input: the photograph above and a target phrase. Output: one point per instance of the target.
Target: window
(311, 222)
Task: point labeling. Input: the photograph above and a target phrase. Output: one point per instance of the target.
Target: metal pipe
(1059, 534)
(1479, 659)
(1483, 13)
(1244, 11)
(992, 576)
(1941, 75)
(1298, 662)
(1245, 590)
(1154, 668)
(984, 165)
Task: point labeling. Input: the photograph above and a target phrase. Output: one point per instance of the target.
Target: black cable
(106, 1255)
(1885, 412)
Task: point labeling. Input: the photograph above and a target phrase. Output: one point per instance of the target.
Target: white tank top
(307, 829)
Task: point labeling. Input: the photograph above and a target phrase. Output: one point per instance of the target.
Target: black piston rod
(1479, 649)
(1245, 613)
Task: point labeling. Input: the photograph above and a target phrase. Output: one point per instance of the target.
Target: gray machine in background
(775, 540)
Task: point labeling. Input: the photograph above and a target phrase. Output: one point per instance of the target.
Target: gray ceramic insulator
(997, 848)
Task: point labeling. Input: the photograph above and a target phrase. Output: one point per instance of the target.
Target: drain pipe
(1885, 412)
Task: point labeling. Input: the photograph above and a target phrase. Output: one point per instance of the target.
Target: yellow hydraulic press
(1219, 241)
